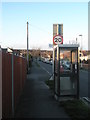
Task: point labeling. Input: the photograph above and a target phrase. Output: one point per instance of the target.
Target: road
(83, 78)
(47, 67)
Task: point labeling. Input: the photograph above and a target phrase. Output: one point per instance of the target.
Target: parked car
(67, 64)
(61, 68)
(50, 61)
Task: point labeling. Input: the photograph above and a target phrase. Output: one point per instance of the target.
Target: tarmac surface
(37, 100)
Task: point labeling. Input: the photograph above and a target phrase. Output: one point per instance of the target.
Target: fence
(0, 84)
(13, 79)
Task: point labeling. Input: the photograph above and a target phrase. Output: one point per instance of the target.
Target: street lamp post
(27, 48)
(81, 50)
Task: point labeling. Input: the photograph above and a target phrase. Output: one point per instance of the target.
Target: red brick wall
(19, 68)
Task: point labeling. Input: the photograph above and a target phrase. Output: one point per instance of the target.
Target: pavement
(37, 100)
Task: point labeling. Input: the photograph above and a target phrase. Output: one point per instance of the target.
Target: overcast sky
(41, 17)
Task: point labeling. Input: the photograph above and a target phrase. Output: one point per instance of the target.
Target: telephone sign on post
(57, 39)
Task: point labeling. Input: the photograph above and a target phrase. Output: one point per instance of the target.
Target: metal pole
(27, 47)
(76, 40)
(77, 76)
(58, 70)
(53, 68)
(53, 60)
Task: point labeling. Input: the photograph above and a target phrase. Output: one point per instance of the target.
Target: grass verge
(50, 83)
(30, 64)
(76, 109)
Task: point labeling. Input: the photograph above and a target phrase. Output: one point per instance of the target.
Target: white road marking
(45, 70)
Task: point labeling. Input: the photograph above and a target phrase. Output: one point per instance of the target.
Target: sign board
(57, 39)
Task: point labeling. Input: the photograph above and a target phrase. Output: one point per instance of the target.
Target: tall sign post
(57, 39)
(58, 29)
(27, 48)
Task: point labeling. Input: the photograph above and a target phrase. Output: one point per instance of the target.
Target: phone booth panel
(66, 74)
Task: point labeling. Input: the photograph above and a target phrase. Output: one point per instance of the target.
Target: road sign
(57, 39)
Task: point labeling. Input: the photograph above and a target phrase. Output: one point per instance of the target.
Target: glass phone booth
(66, 71)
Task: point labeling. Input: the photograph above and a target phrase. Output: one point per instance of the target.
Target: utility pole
(76, 40)
(27, 48)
